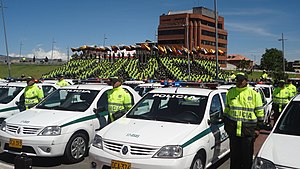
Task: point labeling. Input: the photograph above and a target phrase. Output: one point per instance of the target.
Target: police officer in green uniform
(292, 88)
(281, 97)
(32, 94)
(242, 116)
(119, 100)
(61, 81)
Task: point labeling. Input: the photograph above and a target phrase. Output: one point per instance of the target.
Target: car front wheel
(198, 162)
(76, 148)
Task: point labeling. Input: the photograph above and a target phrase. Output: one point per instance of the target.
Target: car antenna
(176, 89)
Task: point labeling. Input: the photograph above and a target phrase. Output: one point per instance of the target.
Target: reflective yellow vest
(281, 95)
(243, 110)
(118, 99)
(33, 94)
(292, 89)
(62, 83)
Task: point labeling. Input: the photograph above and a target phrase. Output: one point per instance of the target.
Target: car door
(219, 138)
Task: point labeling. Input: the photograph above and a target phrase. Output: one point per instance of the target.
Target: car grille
(135, 150)
(22, 129)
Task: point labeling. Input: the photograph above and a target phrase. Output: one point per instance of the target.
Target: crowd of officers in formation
(163, 68)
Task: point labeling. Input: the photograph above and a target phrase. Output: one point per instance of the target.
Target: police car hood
(42, 117)
(282, 150)
(147, 132)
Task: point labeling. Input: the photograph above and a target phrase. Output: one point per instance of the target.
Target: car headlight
(261, 163)
(3, 126)
(171, 151)
(97, 142)
(50, 131)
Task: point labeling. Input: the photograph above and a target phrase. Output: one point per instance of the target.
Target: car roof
(185, 90)
(151, 85)
(297, 98)
(264, 85)
(17, 84)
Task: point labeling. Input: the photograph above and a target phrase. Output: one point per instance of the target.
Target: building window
(212, 34)
(171, 32)
(164, 42)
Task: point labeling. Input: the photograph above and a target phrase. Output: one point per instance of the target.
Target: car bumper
(42, 146)
(99, 158)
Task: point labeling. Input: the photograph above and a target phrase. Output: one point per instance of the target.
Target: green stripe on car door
(9, 109)
(86, 118)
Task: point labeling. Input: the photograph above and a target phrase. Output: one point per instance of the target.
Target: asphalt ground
(7, 160)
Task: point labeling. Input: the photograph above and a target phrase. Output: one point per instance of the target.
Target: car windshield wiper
(134, 116)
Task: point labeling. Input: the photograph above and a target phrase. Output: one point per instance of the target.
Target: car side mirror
(99, 109)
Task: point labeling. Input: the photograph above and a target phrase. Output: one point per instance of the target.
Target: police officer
(32, 94)
(232, 76)
(61, 81)
(292, 88)
(281, 97)
(264, 76)
(242, 116)
(119, 100)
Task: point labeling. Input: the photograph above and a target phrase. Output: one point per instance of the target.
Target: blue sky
(252, 25)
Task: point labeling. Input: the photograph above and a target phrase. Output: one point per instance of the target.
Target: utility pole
(216, 37)
(52, 49)
(5, 37)
(21, 44)
(68, 54)
(282, 43)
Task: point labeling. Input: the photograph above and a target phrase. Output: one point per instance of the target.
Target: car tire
(198, 162)
(76, 148)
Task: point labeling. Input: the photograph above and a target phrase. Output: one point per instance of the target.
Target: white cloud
(250, 12)
(249, 28)
(41, 54)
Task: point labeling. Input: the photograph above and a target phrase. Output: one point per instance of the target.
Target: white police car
(12, 92)
(169, 128)
(142, 89)
(281, 148)
(62, 124)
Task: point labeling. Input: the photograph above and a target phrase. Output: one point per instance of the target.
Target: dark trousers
(241, 152)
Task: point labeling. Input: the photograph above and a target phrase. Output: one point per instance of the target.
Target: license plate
(120, 165)
(16, 143)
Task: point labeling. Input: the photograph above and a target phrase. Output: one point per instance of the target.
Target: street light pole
(216, 37)
(104, 38)
(188, 47)
(282, 43)
(8, 59)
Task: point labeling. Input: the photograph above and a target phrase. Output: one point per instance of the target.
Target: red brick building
(194, 29)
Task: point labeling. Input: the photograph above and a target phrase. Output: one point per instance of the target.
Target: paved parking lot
(7, 160)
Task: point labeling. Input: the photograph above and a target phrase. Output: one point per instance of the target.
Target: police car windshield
(178, 108)
(8, 93)
(69, 100)
(289, 121)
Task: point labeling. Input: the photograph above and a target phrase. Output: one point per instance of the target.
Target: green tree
(272, 62)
